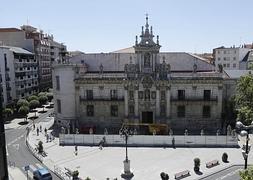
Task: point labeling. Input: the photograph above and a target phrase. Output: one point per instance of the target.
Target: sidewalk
(146, 163)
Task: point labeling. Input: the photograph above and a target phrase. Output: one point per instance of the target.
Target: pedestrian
(40, 128)
(76, 150)
(47, 137)
(33, 126)
(173, 143)
(37, 131)
(45, 130)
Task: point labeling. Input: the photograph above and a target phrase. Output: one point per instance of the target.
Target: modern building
(230, 58)
(141, 87)
(45, 49)
(19, 73)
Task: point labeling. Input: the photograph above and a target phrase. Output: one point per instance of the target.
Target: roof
(43, 171)
(125, 50)
(237, 73)
(179, 61)
(246, 57)
(17, 50)
(9, 30)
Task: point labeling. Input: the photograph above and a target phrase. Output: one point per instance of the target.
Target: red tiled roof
(9, 30)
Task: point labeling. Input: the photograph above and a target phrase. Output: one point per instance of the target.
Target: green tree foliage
(34, 104)
(7, 112)
(42, 94)
(24, 110)
(33, 97)
(22, 102)
(43, 99)
(49, 96)
(244, 99)
(247, 174)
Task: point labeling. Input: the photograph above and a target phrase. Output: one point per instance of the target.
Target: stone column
(157, 103)
(126, 102)
(168, 102)
(136, 104)
(219, 102)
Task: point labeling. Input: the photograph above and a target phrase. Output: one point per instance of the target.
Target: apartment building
(19, 73)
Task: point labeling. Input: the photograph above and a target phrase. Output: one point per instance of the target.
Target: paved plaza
(146, 163)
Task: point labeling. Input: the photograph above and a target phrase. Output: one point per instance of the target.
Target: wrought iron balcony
(98, 98)
(214, 98)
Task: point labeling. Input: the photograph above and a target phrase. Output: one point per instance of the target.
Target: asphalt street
(18, 153)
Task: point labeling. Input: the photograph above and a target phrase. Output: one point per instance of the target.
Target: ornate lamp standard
(244, 131)
(125, 133)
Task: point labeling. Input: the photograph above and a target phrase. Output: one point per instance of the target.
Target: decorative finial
(151, 29)
(157, 41)
(142, 30)
(136, 40)
(147, 21)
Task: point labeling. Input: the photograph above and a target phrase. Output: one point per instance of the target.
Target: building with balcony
(44, 47)
(19, 73)
(140, 87)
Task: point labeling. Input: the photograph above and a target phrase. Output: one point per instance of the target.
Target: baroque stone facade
(145, 89)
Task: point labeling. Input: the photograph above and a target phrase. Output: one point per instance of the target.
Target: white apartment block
(19, 73)
(230, 58)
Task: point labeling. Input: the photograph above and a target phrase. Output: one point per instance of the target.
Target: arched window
(147, 60)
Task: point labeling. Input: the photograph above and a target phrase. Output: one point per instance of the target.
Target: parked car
(42, 174)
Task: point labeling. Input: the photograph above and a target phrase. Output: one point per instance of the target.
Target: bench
(182, 174)
(68, 173)
(212, 163)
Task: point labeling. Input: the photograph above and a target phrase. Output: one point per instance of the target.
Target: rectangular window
(58, 105)
(114, 110)
(218, 58)
(153, 95)
(234, 58)
(180, 111)
(234, 65)
(228, 65)
(57, 83)
(90, 110)
(114, 94)
(207, 94)
(206, 112)
(140, 94)
(224, 58)
(89, 94)
(131, 95)
(224, 65)
(162, 95)
(181, 94)
(131, 110)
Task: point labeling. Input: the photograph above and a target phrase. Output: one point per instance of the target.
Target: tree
(22, 102)
(24, 110)
(247, 174)
(33, 97)
(244, 99)
(34, 104)
(49, 96)
(42, 94)
(196, 164)
(7, 112)
(43, 99)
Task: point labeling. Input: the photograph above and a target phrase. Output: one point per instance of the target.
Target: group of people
(49, 137)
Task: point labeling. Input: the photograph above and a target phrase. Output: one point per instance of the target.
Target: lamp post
(125, 133)
(244, 131)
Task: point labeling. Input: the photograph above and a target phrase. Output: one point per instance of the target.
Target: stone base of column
(127, 174)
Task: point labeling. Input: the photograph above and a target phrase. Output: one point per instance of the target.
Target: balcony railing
(98, 98)
(214, 98)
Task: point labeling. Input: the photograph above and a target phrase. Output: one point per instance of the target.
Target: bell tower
(147, 50)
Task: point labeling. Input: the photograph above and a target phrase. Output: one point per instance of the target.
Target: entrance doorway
(147, 117)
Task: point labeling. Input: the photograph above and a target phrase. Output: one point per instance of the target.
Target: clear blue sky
(108, 25)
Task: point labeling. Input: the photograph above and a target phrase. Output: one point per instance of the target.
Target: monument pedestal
(127, 174)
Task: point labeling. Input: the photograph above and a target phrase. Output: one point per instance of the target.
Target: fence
(61, 173)
(149, 141)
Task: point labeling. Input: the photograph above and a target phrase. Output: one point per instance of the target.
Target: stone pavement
(146, 163)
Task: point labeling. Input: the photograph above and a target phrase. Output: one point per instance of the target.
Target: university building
(140, 87)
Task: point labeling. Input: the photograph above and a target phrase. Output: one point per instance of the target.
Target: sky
(95, 26)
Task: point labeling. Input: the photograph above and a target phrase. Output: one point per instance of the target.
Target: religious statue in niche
(101, 68)
(147, 60)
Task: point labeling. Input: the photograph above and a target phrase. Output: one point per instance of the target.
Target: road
(18, 153)
(231, 173)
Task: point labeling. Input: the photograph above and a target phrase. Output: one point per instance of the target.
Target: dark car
(42, 174)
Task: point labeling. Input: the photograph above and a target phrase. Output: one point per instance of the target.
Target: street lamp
(244, 131)
(125, 133)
